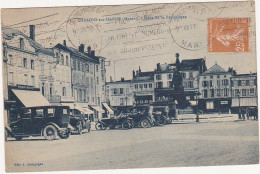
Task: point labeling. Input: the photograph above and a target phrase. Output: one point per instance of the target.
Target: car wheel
(80, 128)
(145, 123)
(162, 120)
(50, 132)
(18, 138)
(126, 125)
(99, 126)
(64, 136)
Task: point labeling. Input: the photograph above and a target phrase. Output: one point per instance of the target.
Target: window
(102, 64)
(211, 77)
(11, 77)
(79, 65)
(21, 43)
(25, 62)
(32, 64)
(205, 84)
(150, 85)
(121, 90)
(218, 82)
(237, 93)
(97, 81)
(26, 79)
(74, 64)
(225, 92)
(67, 60)
(184, 75)
(97, 68)
(145, 85)
(136, 86)
(239, 82)
(84, 95)
(115, 91)
(62, 59)
(218, 76)
(159, 84)
(65, 111)
(158, 77)
(210, 83)
(252, 90)
(27, 113)
(190, 84)
(211, 92)
(205, 93)
(169, 76)
(247, 83)
(141, 86)
(243, 92)
(98, 100)
(33, 80)
(121, 101)
(190, 75)
(42, 68)
(210, 105)
(63, 91)
(11, 60)
(50, 112)
(87, 67)
(102, 75)
(80, 95)
(39, 113)
(225, 82)
(218, 92)
(43, 89)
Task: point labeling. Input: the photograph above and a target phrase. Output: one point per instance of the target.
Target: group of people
(248, 112)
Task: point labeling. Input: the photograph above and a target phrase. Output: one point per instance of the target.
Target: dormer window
(21, 43)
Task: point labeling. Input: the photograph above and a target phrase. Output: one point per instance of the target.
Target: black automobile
(111, 123)
(141, 117)
(79, 121)
(47, 121)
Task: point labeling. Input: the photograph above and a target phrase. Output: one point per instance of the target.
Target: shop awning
(108, 108)
(31, 98)
(87, 111)
(244, 102)
(74, 106)
(97, 108)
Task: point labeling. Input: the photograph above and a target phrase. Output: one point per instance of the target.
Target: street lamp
(197, 112)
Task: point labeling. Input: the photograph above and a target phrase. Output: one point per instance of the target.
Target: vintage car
(47, 121)
(141, 117)
(111, 123)
(79, 121)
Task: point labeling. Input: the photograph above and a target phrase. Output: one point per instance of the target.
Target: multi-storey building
(214, 87)
(143, 87)
(24, 71)
(87, 75)
(244, 91)
(120, 93)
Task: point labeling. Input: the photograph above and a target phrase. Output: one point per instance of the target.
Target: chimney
(81, 48)
(32, 32)
(89, 50)
(64, 43)
(139, 69)
(133, 73)
(111, 80)
(158, 67)
(93, 53)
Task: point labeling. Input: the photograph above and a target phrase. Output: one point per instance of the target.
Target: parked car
(79, 121)
(141, 117)
(47, 121)
(111, 123)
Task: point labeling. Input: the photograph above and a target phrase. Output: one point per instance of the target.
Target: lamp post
(197, 108)
(239, 107)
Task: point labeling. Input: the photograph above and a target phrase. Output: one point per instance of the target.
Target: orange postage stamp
(228, 35)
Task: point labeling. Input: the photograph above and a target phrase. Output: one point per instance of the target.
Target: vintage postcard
(130, 86)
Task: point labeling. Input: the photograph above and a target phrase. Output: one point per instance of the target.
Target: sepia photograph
(129, 86)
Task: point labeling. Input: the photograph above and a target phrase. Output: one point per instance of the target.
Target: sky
(143, 35)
